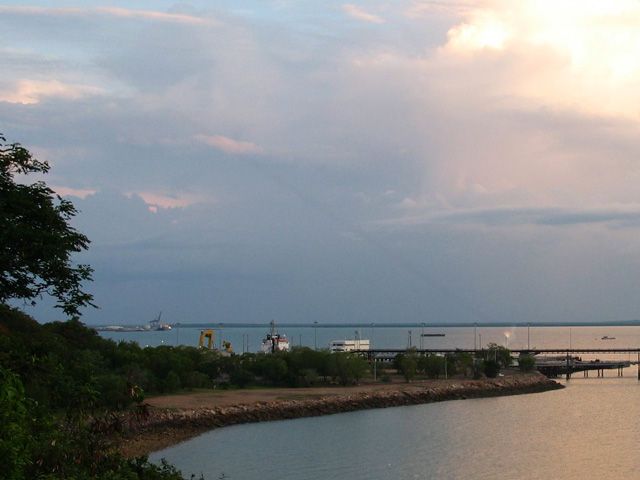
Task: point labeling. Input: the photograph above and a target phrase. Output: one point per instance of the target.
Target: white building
(349, 345)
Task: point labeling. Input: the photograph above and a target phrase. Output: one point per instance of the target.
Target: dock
(566, 362)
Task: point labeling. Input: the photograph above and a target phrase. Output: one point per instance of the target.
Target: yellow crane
(209, 336)
(206, 335)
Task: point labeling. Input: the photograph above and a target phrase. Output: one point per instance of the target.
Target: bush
(37, 443)
(526, 363)
(431, 365)
(491, 368)
(408, 365)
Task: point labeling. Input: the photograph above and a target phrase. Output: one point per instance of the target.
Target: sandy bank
(175, 418)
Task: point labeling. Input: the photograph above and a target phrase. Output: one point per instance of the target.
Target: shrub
(491, 368)
(526, 363)
(431, 365)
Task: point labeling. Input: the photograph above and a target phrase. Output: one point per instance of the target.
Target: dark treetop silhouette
(36, 240)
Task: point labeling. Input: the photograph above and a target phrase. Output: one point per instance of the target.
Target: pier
(566, 363)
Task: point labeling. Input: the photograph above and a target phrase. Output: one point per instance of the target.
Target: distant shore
(176, 418)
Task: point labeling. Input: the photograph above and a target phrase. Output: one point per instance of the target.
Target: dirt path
(222, 398)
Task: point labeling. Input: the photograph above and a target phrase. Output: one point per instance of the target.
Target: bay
(588, 430)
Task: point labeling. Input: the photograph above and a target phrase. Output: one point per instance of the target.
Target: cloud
(614, 216)
(229, 145)
(73, 192)
(581, 56)
(422, 8)
(29, 92)
(156, 201)
(359, 13)
(107, 12)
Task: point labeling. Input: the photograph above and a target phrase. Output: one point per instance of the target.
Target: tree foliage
(36, 240)
(526, 363)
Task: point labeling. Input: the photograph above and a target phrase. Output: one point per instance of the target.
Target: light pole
(373, 326)
(528, 336)
(570, 339)
(315, 335)
(475, 336)
(445, 367)
(422, 337)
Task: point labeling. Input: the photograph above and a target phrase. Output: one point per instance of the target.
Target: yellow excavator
(209, 336)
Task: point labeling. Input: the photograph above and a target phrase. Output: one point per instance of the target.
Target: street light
(315, 335)
(373, 334)
(475, 336)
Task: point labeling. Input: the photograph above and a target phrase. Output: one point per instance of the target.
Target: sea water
(588, 430)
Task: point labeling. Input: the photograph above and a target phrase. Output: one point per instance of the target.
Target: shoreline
(160, 428)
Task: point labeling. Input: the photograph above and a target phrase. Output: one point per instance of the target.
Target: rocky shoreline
(160, 428)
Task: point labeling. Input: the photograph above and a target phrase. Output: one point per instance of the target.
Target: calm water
(541, 337)
(588, 430)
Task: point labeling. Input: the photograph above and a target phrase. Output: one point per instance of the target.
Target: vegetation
(36, 240)
(55, 380)
(526, 363)
(499, 354)
(491, 368)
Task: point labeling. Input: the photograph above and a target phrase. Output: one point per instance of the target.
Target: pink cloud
(33, 91)
(73, 192)
(360, 14)
(156, 201)
(230, 145)
(107, 11)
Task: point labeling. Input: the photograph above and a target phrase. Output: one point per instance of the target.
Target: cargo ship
(274, 341)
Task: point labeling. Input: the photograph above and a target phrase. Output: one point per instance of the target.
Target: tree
(407, 365)
(500, 354)
(432, 365)
(36, 240)
(526, 363)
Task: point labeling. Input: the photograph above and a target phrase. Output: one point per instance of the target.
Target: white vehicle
(349, 345)
(274, 342)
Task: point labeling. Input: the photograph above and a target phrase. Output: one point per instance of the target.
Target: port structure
(567, 364)
(207, 335)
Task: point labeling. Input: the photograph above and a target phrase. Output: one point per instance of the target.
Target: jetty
(552, 362)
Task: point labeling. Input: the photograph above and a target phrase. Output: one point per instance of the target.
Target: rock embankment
(160, 428)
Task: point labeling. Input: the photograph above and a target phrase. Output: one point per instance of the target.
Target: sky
(407, 161)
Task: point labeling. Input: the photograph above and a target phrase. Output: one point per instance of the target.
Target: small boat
(607, 337)
(432, 335)
(274, 342)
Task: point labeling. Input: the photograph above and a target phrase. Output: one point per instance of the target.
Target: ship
(156, 324)
(274, 341)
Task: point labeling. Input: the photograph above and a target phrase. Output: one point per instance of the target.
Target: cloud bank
(418, 161)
